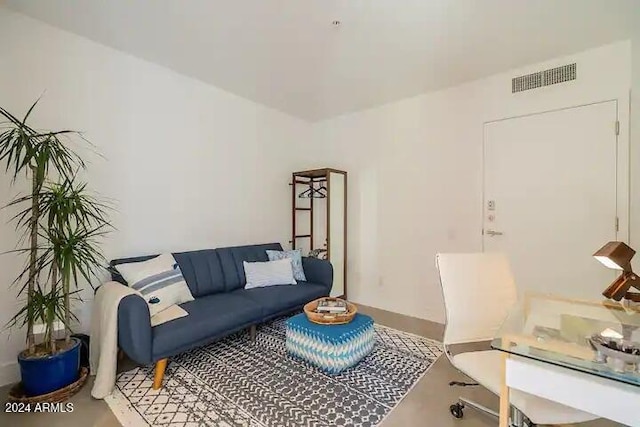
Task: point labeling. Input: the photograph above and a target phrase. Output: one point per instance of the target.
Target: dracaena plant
(60, 225)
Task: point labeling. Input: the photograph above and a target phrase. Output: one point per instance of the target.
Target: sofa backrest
(202, 271)
(232, 258)
(210, 271)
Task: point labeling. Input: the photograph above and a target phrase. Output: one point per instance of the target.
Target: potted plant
(61, 225)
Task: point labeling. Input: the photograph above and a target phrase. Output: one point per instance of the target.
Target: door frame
(623, 175)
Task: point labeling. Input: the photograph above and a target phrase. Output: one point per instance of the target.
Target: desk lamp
(617, 256)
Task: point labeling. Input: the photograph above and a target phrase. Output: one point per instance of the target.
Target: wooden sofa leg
(159, 373)
(252, 332)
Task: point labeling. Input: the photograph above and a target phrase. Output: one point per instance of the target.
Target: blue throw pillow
(296, 261)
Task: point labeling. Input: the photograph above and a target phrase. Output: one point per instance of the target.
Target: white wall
(635, 139)
(415, 170)
(190, 166)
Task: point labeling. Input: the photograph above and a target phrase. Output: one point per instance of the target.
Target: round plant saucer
(17, 394)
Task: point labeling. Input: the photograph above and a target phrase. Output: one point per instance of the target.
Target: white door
(550, 197)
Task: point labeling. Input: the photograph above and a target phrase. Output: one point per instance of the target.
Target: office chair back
(478, 292)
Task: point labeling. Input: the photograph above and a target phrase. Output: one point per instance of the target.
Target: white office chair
(478, 293)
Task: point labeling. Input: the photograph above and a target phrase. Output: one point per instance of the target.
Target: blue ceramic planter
(41, 375)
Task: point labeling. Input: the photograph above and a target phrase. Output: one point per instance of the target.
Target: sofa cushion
(276, 299)
(202, 271)
(211, 316)
(231, 261)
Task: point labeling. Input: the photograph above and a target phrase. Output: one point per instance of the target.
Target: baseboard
(9, 373)
(396, 313)
(399, 318)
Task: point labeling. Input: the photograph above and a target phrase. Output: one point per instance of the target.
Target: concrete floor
(427, 405)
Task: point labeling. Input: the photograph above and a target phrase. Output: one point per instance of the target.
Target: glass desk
(561, 332)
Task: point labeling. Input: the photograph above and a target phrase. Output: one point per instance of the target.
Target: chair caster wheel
(456, 410)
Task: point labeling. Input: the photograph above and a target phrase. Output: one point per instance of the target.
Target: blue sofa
(221, 306)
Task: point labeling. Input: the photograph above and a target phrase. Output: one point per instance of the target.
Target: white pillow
(159, 281)
(270, 273)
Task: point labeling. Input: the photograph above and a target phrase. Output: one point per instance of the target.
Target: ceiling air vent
(544, 78)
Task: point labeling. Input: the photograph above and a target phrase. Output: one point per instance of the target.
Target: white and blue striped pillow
(159, 281)
(270, 273)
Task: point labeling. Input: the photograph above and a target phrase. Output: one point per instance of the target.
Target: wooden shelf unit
(334, 210)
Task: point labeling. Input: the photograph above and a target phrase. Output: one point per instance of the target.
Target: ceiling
(287, 54)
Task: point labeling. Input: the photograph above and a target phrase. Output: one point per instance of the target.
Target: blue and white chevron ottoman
(332, 348)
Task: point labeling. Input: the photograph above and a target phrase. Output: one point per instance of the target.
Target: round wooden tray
(330, 318)
(16, 394)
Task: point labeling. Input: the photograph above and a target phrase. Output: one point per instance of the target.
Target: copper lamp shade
(617, 256)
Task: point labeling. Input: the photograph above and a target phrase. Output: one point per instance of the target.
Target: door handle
(493, 233)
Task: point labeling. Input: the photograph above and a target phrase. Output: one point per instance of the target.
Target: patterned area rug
(236, 382)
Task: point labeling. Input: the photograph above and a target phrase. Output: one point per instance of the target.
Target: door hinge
(617, 127)
(617, 224)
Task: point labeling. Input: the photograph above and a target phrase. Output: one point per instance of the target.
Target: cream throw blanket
(103, 346)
